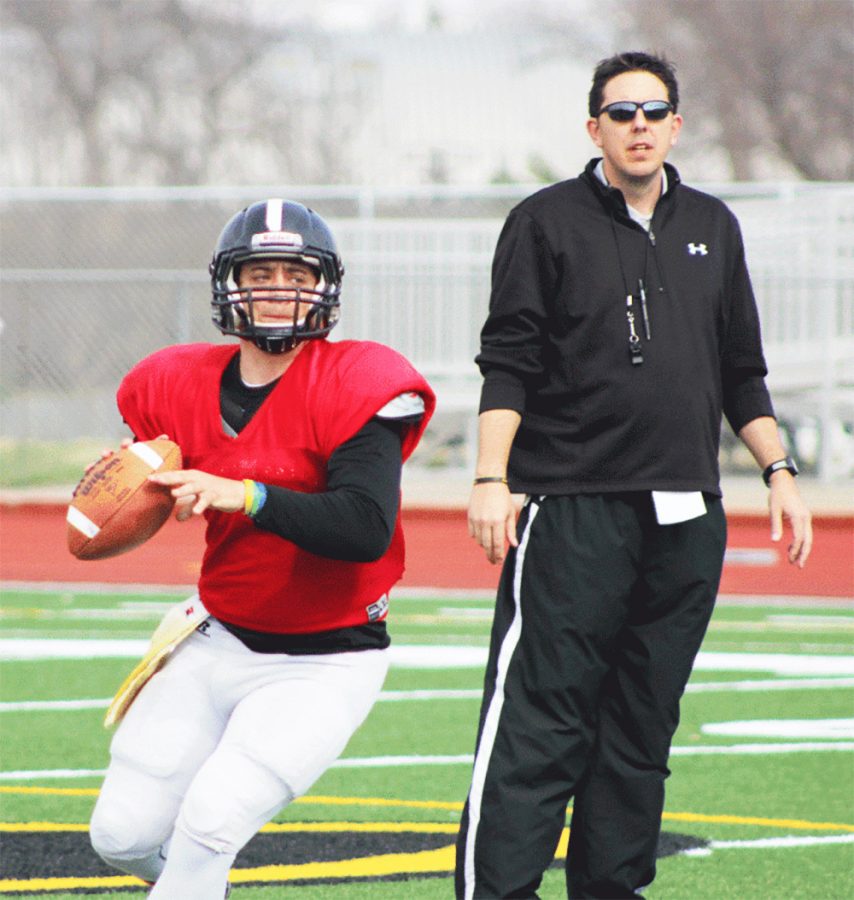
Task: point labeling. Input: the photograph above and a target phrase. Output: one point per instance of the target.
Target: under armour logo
(698, 249)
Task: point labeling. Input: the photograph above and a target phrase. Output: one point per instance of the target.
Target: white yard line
(787, 664)
(373, 762)
(762, 749)
(70, 648)
(429, 656)
(52, 705)
(771, 844)
(95, 587)
(58, 774)
(768, 684)
(103, 703)
(816, 729)
(763, 685)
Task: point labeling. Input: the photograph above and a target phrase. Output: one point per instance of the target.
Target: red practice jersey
(251, 577)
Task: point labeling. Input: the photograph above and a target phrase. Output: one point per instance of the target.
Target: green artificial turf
(730, 800)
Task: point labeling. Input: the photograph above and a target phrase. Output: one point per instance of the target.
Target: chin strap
(275, 345)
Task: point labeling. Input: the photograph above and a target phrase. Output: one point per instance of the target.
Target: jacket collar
(612, 198)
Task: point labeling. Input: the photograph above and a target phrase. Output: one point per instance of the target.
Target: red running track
(440, 554)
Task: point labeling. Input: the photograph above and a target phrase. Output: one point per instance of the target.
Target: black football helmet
(276, 229)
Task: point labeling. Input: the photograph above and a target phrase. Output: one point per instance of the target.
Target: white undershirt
(670, 506)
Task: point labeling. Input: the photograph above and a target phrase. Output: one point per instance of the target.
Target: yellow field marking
(801, 824)
(363, 827)
(272, 827)
(440, 860)
(57, 884)
(320, 800)
(62, 792)
(437, 861)
(454, 805)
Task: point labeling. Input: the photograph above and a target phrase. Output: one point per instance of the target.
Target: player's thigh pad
(281, 737)
(173, 724)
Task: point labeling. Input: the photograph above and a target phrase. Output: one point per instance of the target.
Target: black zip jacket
(556, 344)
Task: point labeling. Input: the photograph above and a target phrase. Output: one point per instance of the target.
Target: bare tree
(161, 91)
(773, 79)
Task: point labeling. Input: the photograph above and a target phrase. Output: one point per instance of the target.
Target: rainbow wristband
(254, 497)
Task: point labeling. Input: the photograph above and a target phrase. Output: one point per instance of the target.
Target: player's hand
(197, 491)
(492, 519)
(784, 502)
(106, 453)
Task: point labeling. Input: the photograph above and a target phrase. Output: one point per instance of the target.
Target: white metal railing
(418, 284)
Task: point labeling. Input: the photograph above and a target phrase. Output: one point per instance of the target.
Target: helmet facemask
(276, 230)
(315, 310)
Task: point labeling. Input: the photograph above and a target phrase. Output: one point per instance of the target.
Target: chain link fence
(93, 280)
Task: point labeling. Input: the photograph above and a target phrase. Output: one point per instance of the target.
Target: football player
(293, 447)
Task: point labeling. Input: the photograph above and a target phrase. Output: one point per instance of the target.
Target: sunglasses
(626, 110)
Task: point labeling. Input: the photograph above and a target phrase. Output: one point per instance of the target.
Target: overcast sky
(456, 15)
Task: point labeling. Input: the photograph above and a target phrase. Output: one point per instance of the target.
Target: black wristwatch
(787, 463)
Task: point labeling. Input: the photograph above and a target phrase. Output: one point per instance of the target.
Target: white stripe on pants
(493, 714)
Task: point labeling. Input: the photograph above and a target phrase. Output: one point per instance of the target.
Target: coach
(622, 325)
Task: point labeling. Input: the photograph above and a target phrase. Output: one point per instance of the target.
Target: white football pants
(220, 740)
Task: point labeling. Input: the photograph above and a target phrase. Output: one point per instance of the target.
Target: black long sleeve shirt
(555, 346)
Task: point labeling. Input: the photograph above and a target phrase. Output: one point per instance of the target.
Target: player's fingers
(167, 479)
(178, 477)
(184, 508)
(106, 453)
(187, 489)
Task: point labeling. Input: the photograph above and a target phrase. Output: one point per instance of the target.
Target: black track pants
(600, 614)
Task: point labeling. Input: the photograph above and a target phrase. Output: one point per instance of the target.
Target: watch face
(787, 463)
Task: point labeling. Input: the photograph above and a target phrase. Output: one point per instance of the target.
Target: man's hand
(762, 439)
(492, 519)
(197, 491)
(785, 501)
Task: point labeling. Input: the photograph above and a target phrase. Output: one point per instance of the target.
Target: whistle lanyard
(635, 347)
(636, 306)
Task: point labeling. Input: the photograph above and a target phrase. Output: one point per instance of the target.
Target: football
(115, 508)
